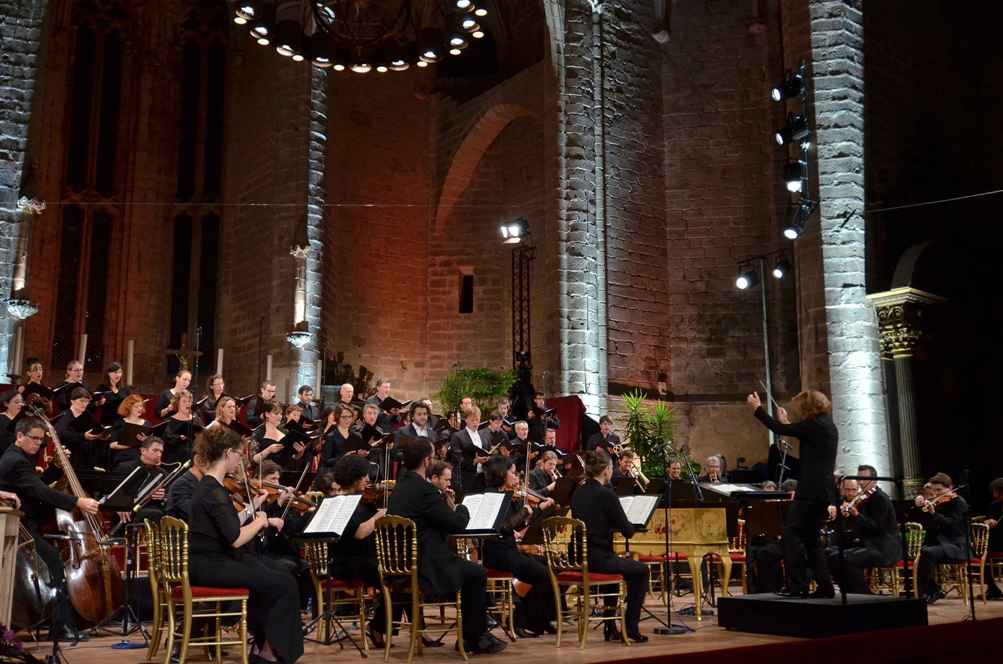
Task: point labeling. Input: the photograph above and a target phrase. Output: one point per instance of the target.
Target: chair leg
(171, 628)
(558, 611)
(584, 611)
(415, 626)
(388, 613)
(459, 626)
(360, 594)
(243, 631)
(219, 633)
(155, 628)
(186, 633)
(321, 604)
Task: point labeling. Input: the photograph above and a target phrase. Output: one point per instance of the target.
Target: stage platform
(947, 635)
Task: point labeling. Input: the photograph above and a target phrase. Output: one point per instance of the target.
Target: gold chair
(499, 588)
(566, 549)
(332, 593)
(914, 535)
(979, 536)
(157, 597)
(183, 596)
(397, 557)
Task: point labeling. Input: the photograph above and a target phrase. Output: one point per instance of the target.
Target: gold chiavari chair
(499, 588)
(158, 599)
(893, 578)
(185, 598)
(332, 593)
(566, 549)
(397, 557)
(979, 535)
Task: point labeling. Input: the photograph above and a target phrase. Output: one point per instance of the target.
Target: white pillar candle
(320, 378)
(219, 361)
(18, 350)
(82, 357)
(268, 366)
(130, 354)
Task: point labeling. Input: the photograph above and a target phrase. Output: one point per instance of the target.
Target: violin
(857, 500)
(300, 502)
(930, 505)
(376, 494)
(531, 497)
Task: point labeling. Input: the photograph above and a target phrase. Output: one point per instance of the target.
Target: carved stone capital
(900, 319)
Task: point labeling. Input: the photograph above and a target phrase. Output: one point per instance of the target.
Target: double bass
(93, 576)
(34, 593)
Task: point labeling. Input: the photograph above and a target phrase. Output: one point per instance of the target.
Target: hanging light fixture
(385, 36)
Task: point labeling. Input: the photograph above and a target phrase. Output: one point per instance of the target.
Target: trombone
(638, 475)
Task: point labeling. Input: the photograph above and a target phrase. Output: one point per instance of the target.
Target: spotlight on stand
(514, 232)
(781, 268)
(799, 220)
(792, 86)
(747, 278)
(796, 130)
(794, 176)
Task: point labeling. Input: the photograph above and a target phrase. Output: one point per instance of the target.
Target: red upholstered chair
(184, 598)
(565, 545)
(499, 586)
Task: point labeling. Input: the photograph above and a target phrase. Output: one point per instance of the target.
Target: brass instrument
(638, 475)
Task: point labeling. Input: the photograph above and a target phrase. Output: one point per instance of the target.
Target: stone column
(21, 36)
(837, 63)
(900, 321)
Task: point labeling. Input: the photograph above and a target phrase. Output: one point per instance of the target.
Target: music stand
(669, 628)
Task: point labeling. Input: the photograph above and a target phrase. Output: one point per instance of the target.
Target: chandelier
(363, 35)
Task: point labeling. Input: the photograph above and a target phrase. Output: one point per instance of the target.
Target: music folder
(123, 497)
(486, 512)
(639, 508)
(332, 517)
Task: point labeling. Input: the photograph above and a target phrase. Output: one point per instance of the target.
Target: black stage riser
(768, 614)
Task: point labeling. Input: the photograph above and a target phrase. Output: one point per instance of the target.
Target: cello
(93, 576)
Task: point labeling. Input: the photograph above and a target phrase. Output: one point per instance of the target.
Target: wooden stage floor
(707, 636)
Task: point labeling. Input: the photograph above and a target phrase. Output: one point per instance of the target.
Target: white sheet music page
(483, 509)
(637, 508)
(333, 515)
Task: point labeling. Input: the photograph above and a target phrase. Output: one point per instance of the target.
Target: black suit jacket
(17, 474)
(598, 440)
(464, 446)
(603, 515)
(879, 528)
(415, 498)
(819, 440)
(946, 526)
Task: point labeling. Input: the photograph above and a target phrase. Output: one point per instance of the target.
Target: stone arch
(464, 162)
(905, 269)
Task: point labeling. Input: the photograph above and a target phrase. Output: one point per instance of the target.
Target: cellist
(17, 474)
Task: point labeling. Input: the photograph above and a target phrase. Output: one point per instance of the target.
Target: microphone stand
(671, 629)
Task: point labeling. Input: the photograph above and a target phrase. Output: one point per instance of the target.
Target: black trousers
(274, 605)
(850, 572)
(764, 569)
(63, 611)
(473, 601)
(801, 546)
(635, 574)
(538, 604)
(929, 558)
(367, 571)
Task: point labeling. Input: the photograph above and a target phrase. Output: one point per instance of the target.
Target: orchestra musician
(353, 556)
(256, 404)
(217, 557)
(151, 451)
(11, 402)
(125, 447)
(114, 392)
(605, 438)
(944, 524)
(713, 471)
(676, 471)
(340, 439)
(180, 428)
(440, 475)
(819, 439)
(624, 467)
(77, 438)
(993, 517)
(17, 475)
(871, 516)
(473, 449)
(310, 408)
(535, 611)
(215, 390)
(600, 509)
(166, 403)
(543, 478)
(442, 571)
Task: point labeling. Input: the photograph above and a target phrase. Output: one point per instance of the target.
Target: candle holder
(21, 309)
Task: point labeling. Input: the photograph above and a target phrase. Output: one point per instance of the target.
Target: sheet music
(638, 508)
(483, 509)
(333, 515)
(728, 489)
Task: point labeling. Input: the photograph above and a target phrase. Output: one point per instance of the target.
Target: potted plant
(484, 386)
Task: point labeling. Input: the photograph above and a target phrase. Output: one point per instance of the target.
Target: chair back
(153, 552)
(913, 540)
(315, 553)
(173, 551)
(979, 535)
(565, 544)
(396, 549)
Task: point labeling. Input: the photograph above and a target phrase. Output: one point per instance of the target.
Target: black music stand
(123, 499)
(673, 629)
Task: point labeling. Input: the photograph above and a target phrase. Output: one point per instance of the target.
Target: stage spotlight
(799, 220)
(790, 87)
(796, 130)
(781, 268)
(514, 232)
(794, 172)
(746, 279)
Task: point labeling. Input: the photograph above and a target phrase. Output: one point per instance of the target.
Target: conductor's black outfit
(442, 572)
(879, 544)
(599, 508)
(273, 607)
(819, 439)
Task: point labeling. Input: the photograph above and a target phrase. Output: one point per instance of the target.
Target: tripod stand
(668, 627)
(126, 612)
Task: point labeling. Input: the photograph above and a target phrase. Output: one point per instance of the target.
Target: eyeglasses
(37, 439)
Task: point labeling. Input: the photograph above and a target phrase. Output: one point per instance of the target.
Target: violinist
(353, 556)
(182, 426)
(11, 404)
(535, 611)
(217, 557)
(114, 392)
(543, 478)
(151, 451)
(128, 433)
(72, 427)
(167, 404)
(440, 475)
(277, 545)
(215, 390)
(945, 523)
(596, 504)
(17, 475)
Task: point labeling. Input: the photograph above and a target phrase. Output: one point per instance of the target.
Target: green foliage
(649, 433)
(485, 386)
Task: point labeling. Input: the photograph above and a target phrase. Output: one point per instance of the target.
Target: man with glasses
(17, 475)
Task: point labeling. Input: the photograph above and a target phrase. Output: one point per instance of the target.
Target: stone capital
(900, 319)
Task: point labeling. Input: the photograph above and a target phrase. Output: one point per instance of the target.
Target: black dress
(112, 400)
(163, 402)
(179, 436)
(336, 445)
(7, 435)
(273, 607)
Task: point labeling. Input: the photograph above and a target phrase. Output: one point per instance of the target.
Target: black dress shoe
(377, 637)
(68, 634)
(793, 594)
(430, 643)
(637, 637)
(611, 633)
(551, 628)
(487, 645)
(933, 597)
(525, 633)
(823, 594)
